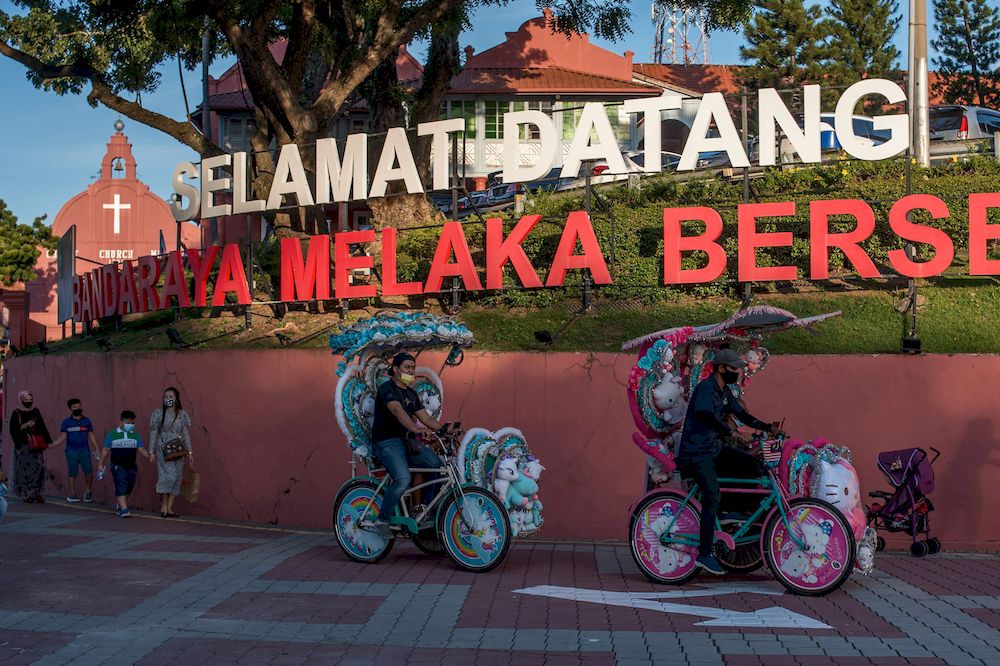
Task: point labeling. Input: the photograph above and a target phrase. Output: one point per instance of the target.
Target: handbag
(37, 443)
(174, 450)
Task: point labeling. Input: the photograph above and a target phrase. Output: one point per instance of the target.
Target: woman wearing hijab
(31, 438)
(169, 424)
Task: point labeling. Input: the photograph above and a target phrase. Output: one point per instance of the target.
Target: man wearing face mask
(398, 411)
(702, 454)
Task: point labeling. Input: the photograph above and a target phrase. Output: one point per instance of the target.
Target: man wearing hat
(702, 450)
(398, 412)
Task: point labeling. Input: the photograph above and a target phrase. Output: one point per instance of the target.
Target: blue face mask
(128, 427)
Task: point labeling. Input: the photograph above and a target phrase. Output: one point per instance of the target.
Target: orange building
(117, 218)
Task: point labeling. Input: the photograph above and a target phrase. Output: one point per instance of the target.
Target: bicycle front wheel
(474, 529)
(811, 549)
(672, 563)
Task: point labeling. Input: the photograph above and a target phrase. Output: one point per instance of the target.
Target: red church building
(117, 218)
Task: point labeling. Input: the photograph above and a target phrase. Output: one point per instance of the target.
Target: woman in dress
(27, 423)
(169, 422)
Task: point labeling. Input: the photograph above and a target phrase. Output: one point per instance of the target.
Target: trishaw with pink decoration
(485, 494)
(810, 524)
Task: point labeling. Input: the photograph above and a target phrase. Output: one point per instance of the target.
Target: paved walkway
(79, 585)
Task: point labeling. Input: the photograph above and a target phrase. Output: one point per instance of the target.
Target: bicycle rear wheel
(358, 543)
(672, 563)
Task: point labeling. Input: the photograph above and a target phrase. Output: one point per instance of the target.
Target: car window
(947, 119)
(989, 122)
(862, 127)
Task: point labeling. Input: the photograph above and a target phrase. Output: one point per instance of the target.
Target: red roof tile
(542, 81)
(698, 79)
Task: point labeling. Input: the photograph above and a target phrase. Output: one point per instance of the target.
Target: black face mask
(27, 405)
(730, 376)
(77, 412)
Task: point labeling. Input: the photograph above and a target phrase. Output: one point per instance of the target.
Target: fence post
(996, 146)
(748, 287)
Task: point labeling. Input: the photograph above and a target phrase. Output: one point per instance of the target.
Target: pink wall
(269, 449)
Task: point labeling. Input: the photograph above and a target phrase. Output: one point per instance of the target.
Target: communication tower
(681, 38)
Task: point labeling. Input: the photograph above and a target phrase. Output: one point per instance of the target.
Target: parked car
(864, 129)
(503, 193)
(956, 122)
(668, 160)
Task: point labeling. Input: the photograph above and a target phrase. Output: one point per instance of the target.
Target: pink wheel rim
(827, 540)
(665, 561)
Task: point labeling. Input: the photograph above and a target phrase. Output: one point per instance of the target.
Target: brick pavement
(81, 586)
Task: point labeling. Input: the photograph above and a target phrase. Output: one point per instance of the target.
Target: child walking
(122, 445)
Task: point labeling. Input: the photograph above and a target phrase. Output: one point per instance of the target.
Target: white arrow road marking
(773, 616)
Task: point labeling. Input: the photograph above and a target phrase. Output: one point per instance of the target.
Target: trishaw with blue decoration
(809, 526)
(487, 490)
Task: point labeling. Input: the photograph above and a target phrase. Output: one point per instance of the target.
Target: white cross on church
(118, 207)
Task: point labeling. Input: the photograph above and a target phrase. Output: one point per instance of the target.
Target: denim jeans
(731, 464)
(397, 458)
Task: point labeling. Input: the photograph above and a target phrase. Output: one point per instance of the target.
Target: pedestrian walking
(81, 444)
(31, 438)
(122, 445)
(170, 444)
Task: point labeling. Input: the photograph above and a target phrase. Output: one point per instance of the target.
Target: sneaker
(380, 527)
(118, 511)
(124, 513)
(733, 517)
(87, 497)
(72, 499)
(710, 564)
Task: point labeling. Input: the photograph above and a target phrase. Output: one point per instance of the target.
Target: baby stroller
(908, 507)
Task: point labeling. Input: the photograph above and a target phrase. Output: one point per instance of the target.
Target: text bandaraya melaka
(155, 283)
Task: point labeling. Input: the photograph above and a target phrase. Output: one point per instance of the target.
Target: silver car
(957, 122)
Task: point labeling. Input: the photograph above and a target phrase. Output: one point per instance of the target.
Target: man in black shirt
(701, 453)
(398, 411)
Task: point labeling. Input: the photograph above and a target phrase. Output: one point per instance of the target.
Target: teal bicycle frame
(776, 499)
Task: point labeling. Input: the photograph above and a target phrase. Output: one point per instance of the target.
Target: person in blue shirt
(702, 453)
(78, 433)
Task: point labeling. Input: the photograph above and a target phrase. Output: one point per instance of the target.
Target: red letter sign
(145, 286)
(343, 263)
(578, 226)
(980, 232)
(231, 277)
(674, 243)
(821, 240)
(500, 251)
(127, 299)
(201, 262)
(750, 239)
(452, 238)
(77, 298)
(174, 282)
(944, 250)
(305, 280)
(390, 285)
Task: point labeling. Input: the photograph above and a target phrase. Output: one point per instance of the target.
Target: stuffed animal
(521, 492)
(532, 468)
(837, 483)
(668, 398)
(506, 472)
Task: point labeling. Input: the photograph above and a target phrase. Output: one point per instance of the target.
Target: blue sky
(53, 145)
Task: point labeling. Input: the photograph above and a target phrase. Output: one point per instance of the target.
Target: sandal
(164, 514)
(172, 515)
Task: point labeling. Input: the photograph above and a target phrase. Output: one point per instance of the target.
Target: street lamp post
(917, 87)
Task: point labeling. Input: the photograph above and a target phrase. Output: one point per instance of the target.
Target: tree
(333, 47)
(784, 45)
(19, 246)
(861, 34)
(968, 52)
